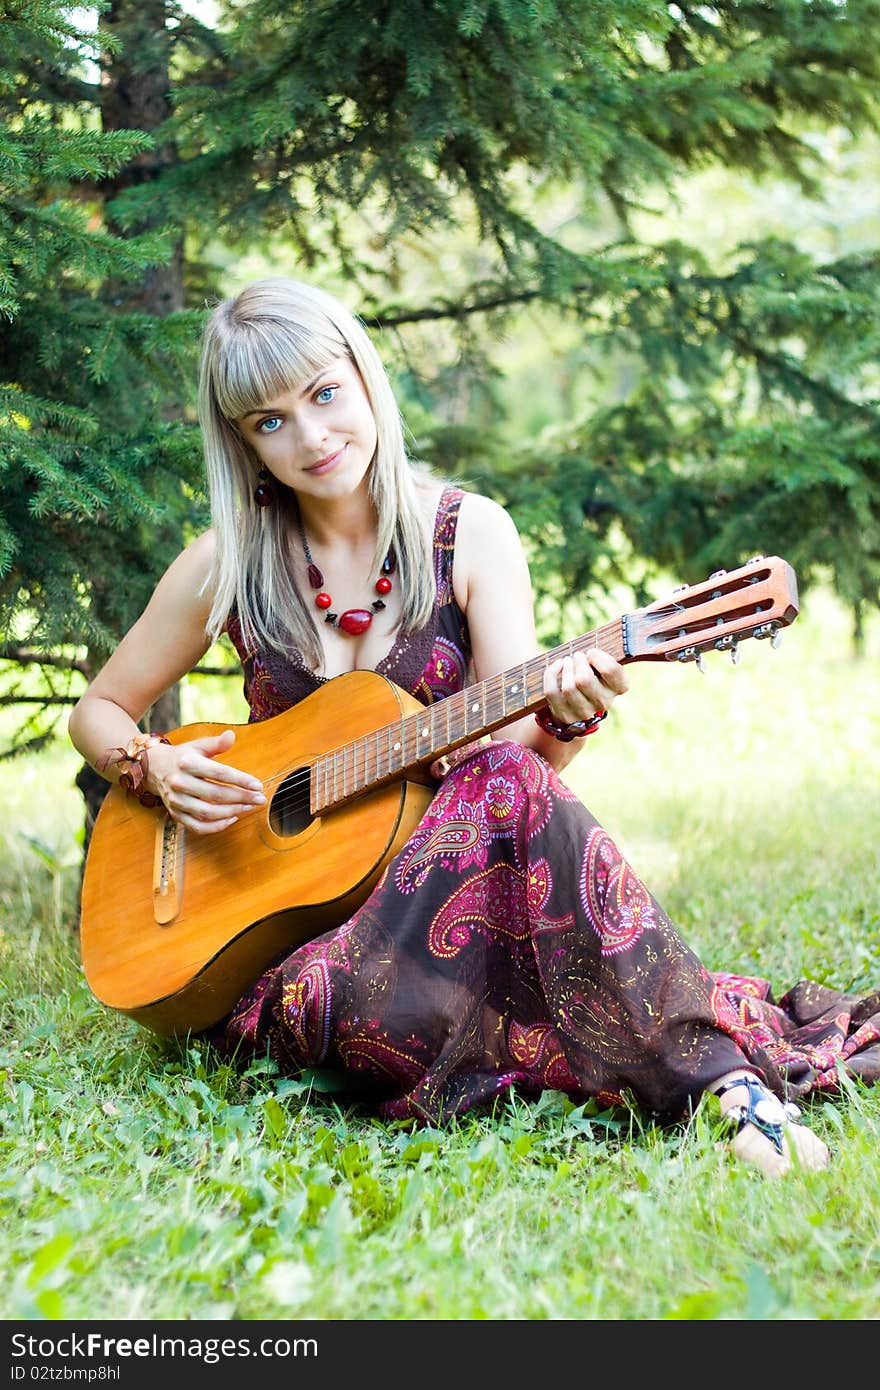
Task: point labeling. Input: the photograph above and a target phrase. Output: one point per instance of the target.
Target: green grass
(142, 1179)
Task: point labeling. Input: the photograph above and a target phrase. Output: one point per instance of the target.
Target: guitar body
(175, 925)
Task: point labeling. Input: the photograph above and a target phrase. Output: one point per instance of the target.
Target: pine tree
(371, 139)
(416, 153)
(96, 490)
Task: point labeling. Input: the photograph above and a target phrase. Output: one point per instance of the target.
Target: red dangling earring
(264, 492)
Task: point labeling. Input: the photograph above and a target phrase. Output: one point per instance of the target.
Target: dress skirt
(510, 944)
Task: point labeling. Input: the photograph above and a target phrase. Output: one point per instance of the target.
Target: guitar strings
(295, 800)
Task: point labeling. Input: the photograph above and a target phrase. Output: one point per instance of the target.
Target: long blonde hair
(273, 337)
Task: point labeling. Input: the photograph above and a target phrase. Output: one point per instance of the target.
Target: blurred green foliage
(480, 181)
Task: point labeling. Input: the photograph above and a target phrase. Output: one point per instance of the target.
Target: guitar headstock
(756, 600)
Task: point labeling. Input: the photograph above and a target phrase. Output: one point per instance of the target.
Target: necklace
(354, 621)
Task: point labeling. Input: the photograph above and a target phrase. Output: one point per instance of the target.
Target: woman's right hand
(203, 795)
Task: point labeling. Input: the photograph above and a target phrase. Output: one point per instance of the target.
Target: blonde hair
(273, 337)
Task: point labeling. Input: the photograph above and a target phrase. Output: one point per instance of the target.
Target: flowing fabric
(509, 943)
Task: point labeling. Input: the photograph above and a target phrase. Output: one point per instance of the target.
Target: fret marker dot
(474, 708)
(397, 747)
(514, 689)
(424, 733)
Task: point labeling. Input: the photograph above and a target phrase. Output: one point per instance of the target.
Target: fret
(473, 710)
(423, 733)
(513, 691)
(407, 741)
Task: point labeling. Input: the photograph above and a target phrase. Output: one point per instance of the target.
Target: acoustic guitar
(175, 926)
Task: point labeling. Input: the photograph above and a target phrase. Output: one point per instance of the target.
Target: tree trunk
(135, 95)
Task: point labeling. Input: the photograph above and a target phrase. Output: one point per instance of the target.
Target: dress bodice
(431, 663)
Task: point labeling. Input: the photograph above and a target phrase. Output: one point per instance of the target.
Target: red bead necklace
(354, 621)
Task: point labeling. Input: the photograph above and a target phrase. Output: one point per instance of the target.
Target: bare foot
(771, 1139)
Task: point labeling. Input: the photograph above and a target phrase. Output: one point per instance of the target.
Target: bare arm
(493, 587)
(166, 642)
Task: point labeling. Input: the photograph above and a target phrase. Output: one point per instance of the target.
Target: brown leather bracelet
(134, 759)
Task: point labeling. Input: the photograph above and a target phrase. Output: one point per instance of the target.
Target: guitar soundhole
(289, 812)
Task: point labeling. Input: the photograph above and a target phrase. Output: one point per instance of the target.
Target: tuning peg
(776, 639)
(734, 654)
(700, 663)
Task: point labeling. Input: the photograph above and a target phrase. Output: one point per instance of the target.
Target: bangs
(265, 358)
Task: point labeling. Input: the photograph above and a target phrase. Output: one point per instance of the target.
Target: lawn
(144, 1179)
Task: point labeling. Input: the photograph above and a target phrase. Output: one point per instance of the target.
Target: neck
(347, 522)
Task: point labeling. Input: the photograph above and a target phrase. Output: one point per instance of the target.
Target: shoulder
(482, 523)
(186, 579)
(486, 543)
(196, 560)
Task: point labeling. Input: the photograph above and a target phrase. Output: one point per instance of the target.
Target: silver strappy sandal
(763, 1110)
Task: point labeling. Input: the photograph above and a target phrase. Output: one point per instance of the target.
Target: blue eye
(269, 425)
(326, 394)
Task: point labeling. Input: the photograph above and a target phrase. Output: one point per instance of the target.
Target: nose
(312, 431)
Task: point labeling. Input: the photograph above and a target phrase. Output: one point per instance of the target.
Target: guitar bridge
(167, 870)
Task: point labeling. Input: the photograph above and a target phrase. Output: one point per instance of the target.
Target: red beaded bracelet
(566, 732)
(136, 757)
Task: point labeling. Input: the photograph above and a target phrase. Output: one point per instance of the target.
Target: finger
(609, 671)
(226, 794)
(560, 689)
(189, 792)
(215, 743)
(589, 683)
(204, 827)
(200, 808)
(195, 764)
(579, 693)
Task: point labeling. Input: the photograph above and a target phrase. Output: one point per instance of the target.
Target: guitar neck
(416, 739)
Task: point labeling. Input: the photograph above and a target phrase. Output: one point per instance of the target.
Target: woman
(508, 943)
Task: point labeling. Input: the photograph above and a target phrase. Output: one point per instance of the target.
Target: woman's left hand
(583, 685)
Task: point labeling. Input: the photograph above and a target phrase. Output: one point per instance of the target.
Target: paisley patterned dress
(509, 944)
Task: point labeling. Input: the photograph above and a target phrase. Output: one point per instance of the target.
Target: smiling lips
(324, 464)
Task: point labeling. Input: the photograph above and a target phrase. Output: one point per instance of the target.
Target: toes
(802, 1149)
(807, 1148)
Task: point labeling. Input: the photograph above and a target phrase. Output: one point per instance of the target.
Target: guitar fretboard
(383, 755)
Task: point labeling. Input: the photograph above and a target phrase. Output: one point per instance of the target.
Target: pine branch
(31, 656)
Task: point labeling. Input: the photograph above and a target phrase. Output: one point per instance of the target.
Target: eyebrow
(267, 410)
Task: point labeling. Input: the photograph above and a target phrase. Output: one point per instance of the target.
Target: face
(319, 439)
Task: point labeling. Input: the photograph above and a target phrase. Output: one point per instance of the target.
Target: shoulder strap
(445, 524)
